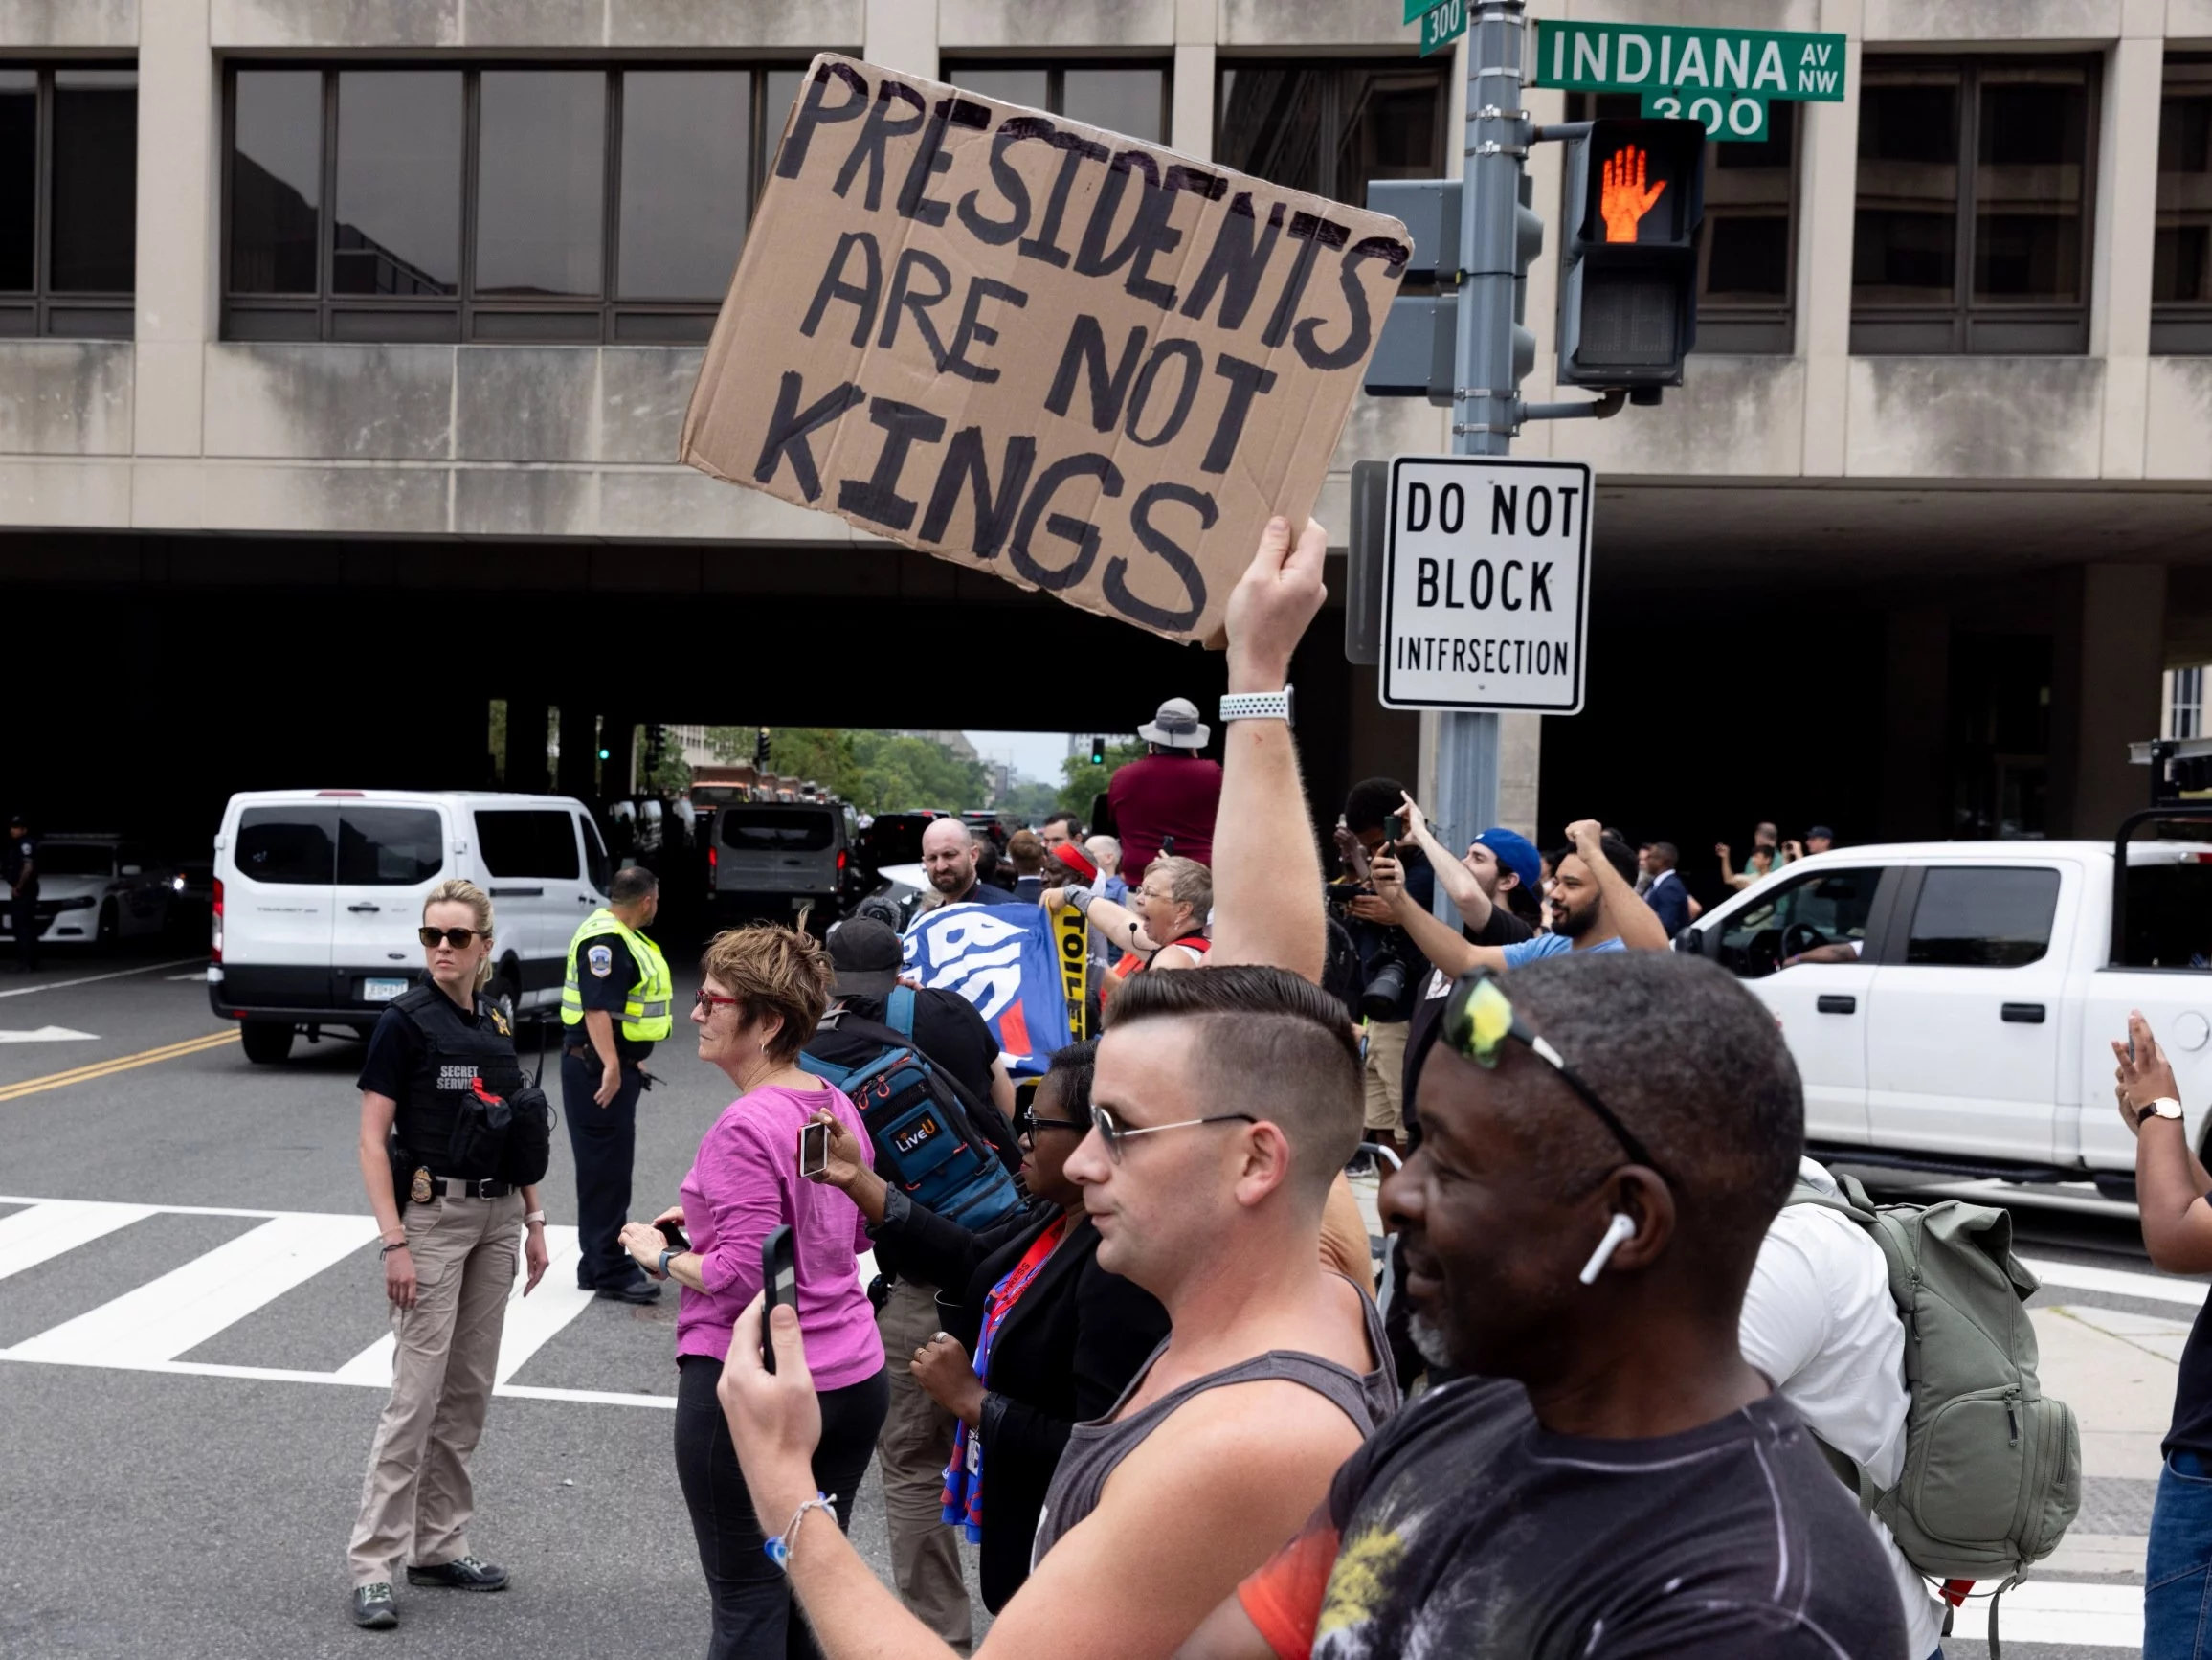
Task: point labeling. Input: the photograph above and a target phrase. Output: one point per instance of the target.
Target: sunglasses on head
(1478, 1019)
(456, 937)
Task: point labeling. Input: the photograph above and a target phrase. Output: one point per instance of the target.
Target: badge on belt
(419, 1190)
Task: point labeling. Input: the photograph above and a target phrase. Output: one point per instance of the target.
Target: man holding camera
(1393, 971)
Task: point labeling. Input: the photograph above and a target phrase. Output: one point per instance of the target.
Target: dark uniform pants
(604, 1140)
(23, 922)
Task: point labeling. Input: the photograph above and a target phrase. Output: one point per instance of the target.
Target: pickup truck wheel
(266, 1043)
(501, 995)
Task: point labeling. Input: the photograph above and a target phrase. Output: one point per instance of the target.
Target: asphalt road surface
(192, 1316)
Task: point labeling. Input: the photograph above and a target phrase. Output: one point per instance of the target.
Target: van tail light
(841, 862)
(216, 945)
(711, 862)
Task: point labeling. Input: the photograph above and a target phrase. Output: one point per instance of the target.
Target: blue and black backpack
(925, 1140)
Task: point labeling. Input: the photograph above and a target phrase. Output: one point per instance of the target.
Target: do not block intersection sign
(1486, 584)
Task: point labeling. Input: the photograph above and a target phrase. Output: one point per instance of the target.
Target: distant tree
(1085, 782)
(1029, 802)
(878, 772)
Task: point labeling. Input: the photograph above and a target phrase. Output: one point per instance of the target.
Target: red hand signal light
(1623, 200)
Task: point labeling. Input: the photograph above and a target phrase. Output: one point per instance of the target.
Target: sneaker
(373, 1609)
(638, 1290)
(462, 1574)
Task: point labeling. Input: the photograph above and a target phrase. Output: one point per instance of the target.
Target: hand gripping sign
(1030, 347)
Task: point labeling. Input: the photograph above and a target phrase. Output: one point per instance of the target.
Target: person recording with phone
(1393, 969)
(764, 989)
(1053, 1337)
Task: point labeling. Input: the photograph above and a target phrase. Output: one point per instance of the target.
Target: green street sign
(1416, 10)
(1442, 25)
(1724, 117)
(1723, 63)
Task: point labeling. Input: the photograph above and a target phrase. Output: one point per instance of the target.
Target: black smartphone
(779, 1280)
(672, 1233)
(1394, 828)
(814, 1148)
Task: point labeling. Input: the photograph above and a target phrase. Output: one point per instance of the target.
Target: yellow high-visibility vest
(645, 1010)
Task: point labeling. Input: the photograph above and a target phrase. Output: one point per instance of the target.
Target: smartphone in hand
(814, 1149)
(779, 1282)
(1394, 828)
(672, 1233)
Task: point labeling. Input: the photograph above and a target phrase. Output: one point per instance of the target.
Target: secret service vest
(454, 1055)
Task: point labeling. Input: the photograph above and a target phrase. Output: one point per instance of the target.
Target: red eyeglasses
(709, 1002)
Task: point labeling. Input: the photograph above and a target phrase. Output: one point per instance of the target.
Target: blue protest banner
(1002, 958)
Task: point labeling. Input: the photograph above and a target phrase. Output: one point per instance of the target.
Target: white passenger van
(319, 893)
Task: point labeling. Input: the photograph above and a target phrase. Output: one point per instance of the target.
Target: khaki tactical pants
(1385, 1079)
(415, 1500)
(911, 1454)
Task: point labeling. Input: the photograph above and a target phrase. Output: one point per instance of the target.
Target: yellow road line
(120, 1064)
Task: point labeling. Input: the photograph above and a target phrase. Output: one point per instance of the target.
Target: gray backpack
(1993, 1469)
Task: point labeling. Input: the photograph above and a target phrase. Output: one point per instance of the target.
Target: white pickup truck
(1971, 1032)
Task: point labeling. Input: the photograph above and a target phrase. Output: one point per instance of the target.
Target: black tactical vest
(455, 1056)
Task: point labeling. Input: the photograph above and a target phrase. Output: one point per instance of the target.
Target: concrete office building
(347, 342)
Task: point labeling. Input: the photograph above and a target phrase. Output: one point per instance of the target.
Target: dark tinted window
(276, 180)
(76, 859)
(2170, 913)
(776, 830)
(288, 844)
(541, 181)
(18, 179)
(1331, 130)
(390, 847)
(595, 854)
(527, 842)
(1991, 917)
(1789, 916)
(1129, 99)
(687, 155)
(396, 230)
(95, 208)
(2181, 247)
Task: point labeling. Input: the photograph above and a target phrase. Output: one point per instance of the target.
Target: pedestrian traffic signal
(1628, 261)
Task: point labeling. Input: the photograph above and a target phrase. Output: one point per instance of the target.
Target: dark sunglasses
(1026, 1124)
(1113, 1132)
(1478, 1019)
(456, 937)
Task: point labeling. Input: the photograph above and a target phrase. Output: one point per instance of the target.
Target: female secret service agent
(449, 1259)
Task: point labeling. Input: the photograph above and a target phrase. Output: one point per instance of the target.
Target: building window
(1989, 258)
(1332, 130)
(68, 201)
(2186, 703)
(1124, 98)
(2181, 246)
(516, 204)
(1747, 243)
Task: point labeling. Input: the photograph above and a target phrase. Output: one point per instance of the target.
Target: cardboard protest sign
(1016, 342)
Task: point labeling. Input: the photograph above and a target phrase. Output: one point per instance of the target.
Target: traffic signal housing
(1634, 195)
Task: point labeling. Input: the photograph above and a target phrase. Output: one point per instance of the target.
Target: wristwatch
(664, 1256)
(2164, 1107)
(1258, 707)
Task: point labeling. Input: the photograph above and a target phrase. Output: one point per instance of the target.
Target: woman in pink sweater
(765, 987)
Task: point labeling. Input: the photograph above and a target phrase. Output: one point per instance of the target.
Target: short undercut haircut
(1696, 1067)
(1271, 1043)
(632, 882)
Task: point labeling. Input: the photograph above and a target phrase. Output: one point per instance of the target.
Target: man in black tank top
(1606, 1477)
(1226, 1099)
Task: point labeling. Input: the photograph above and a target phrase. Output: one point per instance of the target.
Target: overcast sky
(1034, 755)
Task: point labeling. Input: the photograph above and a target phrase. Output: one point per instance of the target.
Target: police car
(96, 889)
(318, 895)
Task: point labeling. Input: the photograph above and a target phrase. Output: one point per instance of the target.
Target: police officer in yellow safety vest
(615, 974)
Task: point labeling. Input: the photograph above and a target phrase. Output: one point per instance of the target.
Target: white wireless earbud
(1619, 1229)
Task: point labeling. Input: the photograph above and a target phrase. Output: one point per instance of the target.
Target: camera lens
(1385, 989)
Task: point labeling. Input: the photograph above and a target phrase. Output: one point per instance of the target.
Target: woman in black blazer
(1060, 1354)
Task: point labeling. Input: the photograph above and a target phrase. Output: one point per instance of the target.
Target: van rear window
(288, 844)
(390, 847)
(2169, 921)
(776, 830)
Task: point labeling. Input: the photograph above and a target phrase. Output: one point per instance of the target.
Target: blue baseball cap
(1516, 853)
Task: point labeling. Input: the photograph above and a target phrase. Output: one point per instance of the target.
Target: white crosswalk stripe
(147, 1329)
